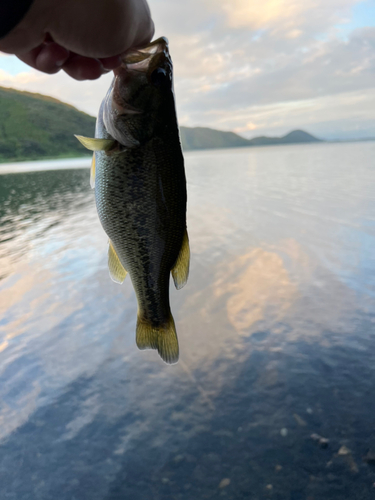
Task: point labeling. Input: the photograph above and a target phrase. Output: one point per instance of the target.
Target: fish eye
(159, 77)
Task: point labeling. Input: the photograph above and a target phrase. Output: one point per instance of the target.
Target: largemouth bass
(140, 190)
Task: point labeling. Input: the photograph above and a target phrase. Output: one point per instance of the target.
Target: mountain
(208, 138)
(204, 138)
(34, 126)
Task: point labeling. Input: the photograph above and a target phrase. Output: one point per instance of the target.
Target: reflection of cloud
(216, 224)
(258, 284)
(324, 302)
(4, 345)
(275, 294)
(14, 415)
(252, 288)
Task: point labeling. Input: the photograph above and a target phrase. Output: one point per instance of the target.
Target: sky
(256, 68)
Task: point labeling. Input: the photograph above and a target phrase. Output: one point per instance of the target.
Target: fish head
(140, 99)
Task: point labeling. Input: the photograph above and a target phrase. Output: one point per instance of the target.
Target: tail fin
(162, 338)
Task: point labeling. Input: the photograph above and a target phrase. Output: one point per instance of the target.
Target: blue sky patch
(363, 15)
(13, 66)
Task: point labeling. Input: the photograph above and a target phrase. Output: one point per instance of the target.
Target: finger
(47, 57)
(30, 56)
(83, 68)
(146, 27)
(51, 58)
(110, 63)
(146, 34)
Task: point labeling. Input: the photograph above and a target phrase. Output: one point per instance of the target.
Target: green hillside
(33, 126)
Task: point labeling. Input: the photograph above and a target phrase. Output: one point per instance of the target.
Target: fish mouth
(153, 61)
(148, 58)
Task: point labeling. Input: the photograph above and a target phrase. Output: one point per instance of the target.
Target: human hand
(85, 38)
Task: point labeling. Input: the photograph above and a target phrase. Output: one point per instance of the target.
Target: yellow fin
(94, 144)
(162, 338)
(180, 271)
(92, 172)
(116, 269)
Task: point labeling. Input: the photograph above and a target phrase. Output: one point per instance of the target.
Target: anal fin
(116, 269)
(180, 271)
(163, 338)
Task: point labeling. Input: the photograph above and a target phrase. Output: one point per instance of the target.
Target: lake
(274, 393)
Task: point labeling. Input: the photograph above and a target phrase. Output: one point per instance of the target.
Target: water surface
(276, 331)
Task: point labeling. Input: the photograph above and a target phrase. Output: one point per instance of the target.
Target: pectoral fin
(116, 269)
(94, 144)
(92, 172)
(180, 271)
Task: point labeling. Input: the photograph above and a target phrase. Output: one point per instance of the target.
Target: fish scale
(130, 216)
(140, 191)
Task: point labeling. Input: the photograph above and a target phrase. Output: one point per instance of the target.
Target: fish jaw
(141, 91)
(146, 58)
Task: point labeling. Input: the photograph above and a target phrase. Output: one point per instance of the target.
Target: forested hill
(33, 126)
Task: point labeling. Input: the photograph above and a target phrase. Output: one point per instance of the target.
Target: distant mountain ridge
(34, 126)
(207, 138)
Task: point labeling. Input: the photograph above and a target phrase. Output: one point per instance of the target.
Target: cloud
(256, 67)
(343, 115)
(25, 78)
(288, 17)
(280, 55)
(86, 96)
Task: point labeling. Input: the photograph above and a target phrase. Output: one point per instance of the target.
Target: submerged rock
(348, 457)
(320, 440)
(369, 458)
(299, 420)
(344, 451)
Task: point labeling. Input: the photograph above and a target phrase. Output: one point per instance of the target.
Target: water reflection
(32, 206)
(258, 286)
(275, 325)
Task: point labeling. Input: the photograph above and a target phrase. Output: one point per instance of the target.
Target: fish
(138, 175)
